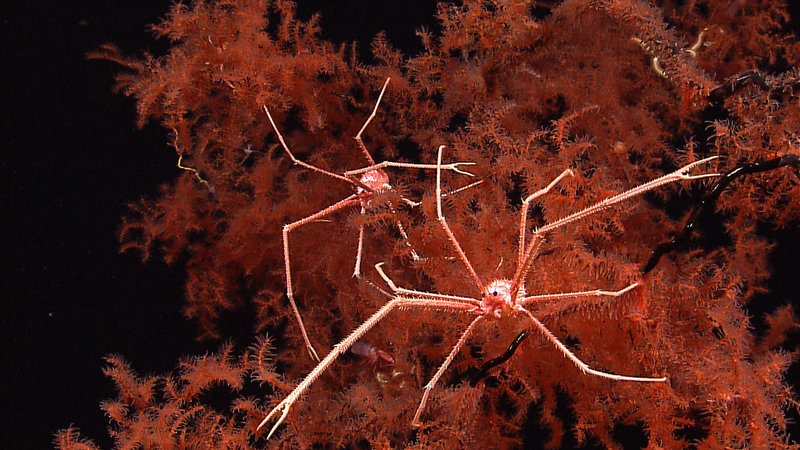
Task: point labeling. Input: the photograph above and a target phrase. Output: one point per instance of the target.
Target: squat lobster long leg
(347, 202)
(523, 265)
(352, 338)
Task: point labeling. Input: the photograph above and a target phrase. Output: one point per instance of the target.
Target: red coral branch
(620, 92)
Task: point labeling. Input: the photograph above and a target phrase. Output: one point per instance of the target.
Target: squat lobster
(499, 299)
(366, 182)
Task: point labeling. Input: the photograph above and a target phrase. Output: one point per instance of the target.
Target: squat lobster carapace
(500, 299)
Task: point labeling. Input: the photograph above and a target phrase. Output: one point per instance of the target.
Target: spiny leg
(349, 201)
(524, 265)
(554, 304)
(526, 204)
(297, 161)
(453, 352)
(402, 230)
(403, 234)
(338, 349)
(455, 167)
(526, 256)
(456, 348)
(357, 269)
(443, 222)
(369, 119)
(399, 291)
(413, 204)
(381, 165)
(680, 174)
(575, 360)
(462, 188)
(580, 294)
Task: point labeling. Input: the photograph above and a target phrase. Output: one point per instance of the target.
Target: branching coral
(605, 88)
